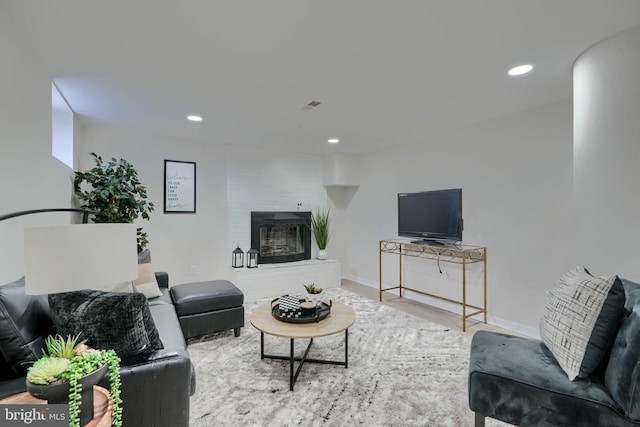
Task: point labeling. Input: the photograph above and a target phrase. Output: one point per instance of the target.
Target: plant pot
(314, 298)
(322, 254)
(59, 392)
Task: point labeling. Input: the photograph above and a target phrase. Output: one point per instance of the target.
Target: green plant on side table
(312, 289)
(115, 192)
(313, 292)
(320, 222)
(68, 361)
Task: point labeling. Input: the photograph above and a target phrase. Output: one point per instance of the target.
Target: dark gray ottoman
(206, 307)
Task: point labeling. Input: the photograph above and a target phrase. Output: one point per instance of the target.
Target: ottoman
(206, 307)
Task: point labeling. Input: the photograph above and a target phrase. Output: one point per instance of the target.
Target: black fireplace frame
(275, 218)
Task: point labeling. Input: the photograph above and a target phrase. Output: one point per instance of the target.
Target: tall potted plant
(320, 222)
(113, 189)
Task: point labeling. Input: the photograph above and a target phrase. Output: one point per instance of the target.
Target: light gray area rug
(403, 371)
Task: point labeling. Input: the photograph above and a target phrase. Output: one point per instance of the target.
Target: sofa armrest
(155, 391)
(162, 278)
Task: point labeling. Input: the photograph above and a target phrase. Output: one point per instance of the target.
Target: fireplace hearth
(281, 236)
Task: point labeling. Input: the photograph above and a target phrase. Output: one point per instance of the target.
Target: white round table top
(340, 318)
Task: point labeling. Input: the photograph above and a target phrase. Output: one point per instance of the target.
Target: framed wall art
(179, 186)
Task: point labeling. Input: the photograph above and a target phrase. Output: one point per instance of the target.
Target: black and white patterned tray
(287, 308)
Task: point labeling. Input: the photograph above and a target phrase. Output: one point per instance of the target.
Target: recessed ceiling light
(520, 69)
(194, 118)
(333, 141)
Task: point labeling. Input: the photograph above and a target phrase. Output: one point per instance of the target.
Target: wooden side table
(102, 405)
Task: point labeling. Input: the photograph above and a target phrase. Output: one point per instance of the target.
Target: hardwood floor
(415, 308)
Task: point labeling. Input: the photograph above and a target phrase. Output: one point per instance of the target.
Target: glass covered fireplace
(281, 236)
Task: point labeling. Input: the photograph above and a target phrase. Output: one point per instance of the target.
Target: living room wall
(31, 177)
(516, 176)
(231, 181)
(177, 241)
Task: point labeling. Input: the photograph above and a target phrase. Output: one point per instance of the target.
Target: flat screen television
(434, 217)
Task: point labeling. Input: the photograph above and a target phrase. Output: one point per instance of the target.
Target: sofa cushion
(24, 324)
(622, 375)
(146, 282)
(581, 316)
(107, 320)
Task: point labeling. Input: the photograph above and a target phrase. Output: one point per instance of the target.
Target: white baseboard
(517, 328)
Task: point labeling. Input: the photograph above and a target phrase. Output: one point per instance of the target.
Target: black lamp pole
(85, 213)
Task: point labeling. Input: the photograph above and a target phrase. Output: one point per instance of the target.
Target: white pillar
(607, 156)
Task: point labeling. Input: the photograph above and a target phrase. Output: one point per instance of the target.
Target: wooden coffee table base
(294, 376)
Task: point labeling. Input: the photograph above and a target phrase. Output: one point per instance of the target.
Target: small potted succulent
(313, 292)
(67, 372)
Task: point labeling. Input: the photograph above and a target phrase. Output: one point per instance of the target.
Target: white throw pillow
(581, 316)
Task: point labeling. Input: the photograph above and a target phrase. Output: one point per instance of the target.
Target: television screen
(431, 215)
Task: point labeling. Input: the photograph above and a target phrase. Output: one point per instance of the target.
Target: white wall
(231, 182)
(516, 177)
(31, 178)
(607, 154)
(177, 240)
(267, 180)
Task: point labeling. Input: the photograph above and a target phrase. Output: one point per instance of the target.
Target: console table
(458, 254)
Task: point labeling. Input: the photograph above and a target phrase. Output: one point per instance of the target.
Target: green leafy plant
(113, 190)
(47, 370)
(82, 360)
(312, 289)
(320, 222)
(63, 348)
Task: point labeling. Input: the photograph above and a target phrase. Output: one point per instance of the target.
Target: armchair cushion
(580, 319)
(518, 380)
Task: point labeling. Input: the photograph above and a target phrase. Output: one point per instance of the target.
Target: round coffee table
(340, 319)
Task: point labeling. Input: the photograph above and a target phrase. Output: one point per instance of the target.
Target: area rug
(403, 371)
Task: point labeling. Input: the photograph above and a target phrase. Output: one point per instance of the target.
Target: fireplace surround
(281, 236)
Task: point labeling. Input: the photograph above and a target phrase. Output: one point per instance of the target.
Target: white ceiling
(386, 72)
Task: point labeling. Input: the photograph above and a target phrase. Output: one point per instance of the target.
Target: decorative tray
(304, 315)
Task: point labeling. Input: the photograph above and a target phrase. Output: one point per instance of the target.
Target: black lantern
(237, 258)
(252, 258)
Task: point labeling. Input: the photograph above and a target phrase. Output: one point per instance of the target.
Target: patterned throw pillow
(107, 320)
(581, 316)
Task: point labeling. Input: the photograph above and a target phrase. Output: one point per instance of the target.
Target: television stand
(462, 255)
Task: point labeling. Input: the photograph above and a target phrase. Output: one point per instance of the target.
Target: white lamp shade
(79, 256)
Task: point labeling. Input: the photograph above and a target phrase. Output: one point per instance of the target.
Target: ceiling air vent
(310, 106)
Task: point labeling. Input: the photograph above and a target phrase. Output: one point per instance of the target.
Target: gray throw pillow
(107, 320)
(581, 316)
